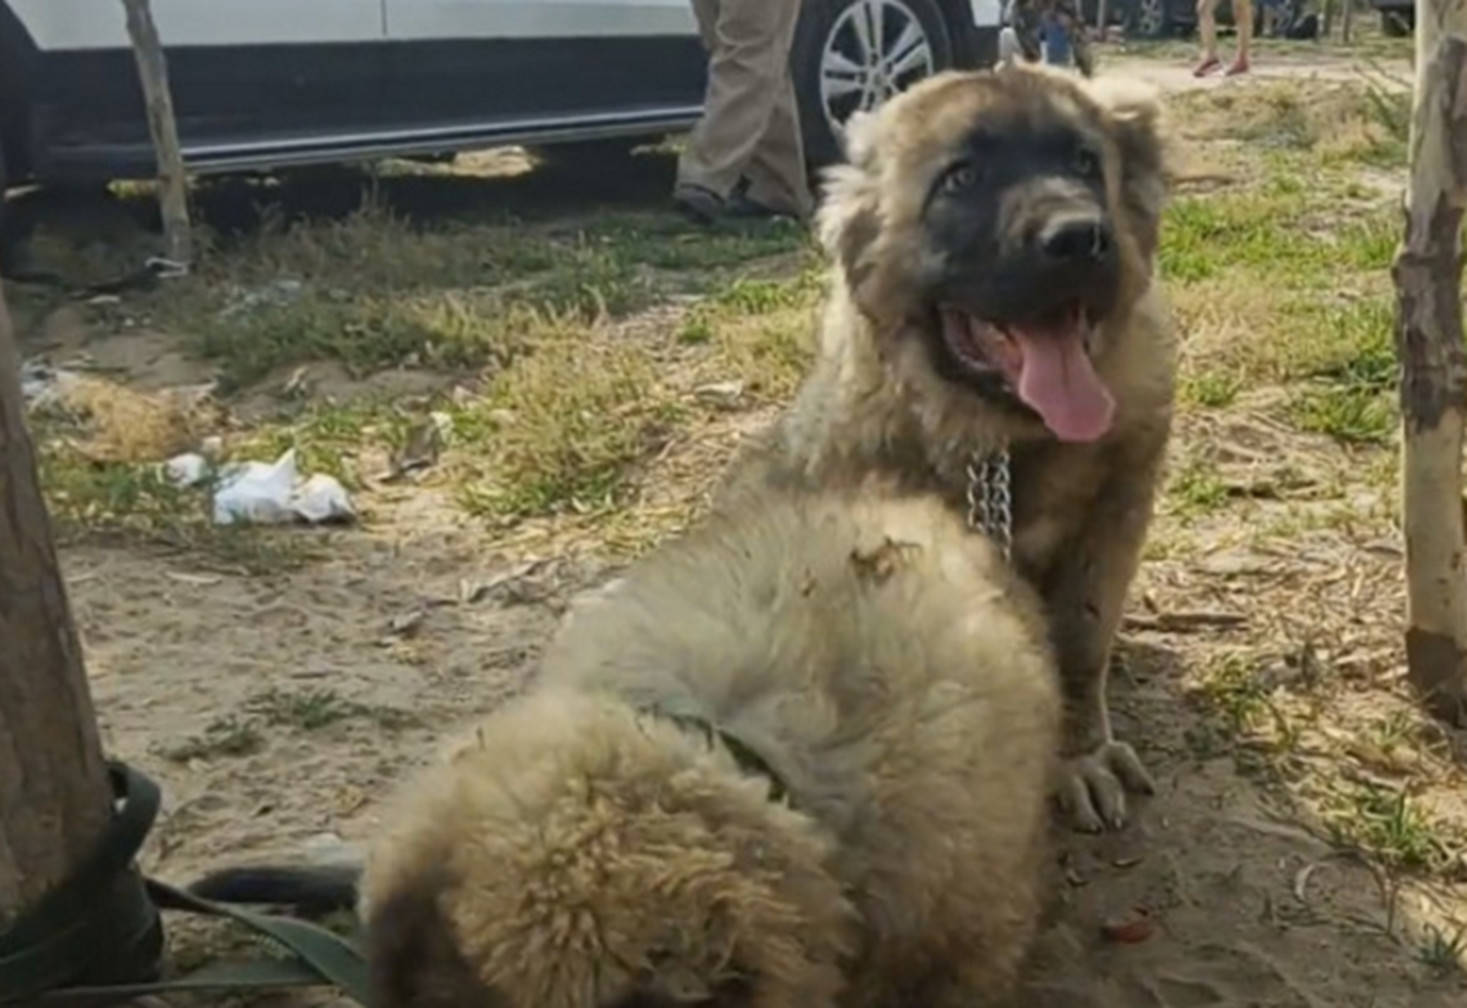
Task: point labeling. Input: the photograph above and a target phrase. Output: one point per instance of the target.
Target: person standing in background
(1027, 17)
(745, 157)
(1207, 31)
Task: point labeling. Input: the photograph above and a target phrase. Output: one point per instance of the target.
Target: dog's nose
(1075, 239)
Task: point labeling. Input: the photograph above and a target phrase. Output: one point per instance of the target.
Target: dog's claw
(1094, 785)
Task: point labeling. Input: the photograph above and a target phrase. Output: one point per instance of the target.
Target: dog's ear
(848, 222)
(1135, 120)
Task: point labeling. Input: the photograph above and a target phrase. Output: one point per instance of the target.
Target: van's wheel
(854, 54)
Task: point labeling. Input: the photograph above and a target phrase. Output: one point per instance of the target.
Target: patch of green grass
(1206, 236)
(667, 242)
(375, 290)
(1231, 689)
(1196, 488)
(309, 709)
(328, 437)
(1441, 952)
(1355, 414)
(1213, 388)
(89, 499)
(1350, 343)
(225, 736)
(748, 296)
(83, 494)
(1388, 825)
(365, 331)
(563, 425)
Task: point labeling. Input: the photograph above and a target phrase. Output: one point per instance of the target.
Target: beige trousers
(751, 124)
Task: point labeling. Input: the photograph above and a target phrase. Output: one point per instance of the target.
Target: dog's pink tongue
(1058, 382)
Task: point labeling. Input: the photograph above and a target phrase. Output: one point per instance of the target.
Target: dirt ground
(1306, 846)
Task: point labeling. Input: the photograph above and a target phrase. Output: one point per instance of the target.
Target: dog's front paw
(1093, 786)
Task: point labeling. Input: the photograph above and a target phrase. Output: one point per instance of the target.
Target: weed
(1443, 953)
(561, 427)
(1351, 413)
(1196, 488)
(225, 736)
(1387, 824)
(309, 709)
(1232, 690)
(1213, 389)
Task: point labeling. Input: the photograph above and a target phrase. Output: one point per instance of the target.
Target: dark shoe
(743, 208)
(703, 206)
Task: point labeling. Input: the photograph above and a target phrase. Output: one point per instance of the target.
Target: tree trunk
(1101, 20)
(1326, 19)
(1428, 272)
(1346, 14)
(172, 182)
(54, 794)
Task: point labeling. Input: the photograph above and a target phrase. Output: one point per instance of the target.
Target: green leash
(98, 937)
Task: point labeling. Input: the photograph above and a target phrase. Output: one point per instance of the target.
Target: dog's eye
(960, 177)
(1087, 165)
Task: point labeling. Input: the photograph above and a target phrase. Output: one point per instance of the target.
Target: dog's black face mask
(1020, 266)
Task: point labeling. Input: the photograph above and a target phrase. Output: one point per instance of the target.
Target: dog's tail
(310, 890)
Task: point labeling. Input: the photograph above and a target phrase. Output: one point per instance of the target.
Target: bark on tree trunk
(1346, 15)
(54, 794)
(172, 182)
(1428, 272)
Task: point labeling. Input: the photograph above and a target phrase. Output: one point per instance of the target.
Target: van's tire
(828, 26)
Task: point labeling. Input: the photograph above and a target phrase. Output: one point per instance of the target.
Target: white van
(259, 84)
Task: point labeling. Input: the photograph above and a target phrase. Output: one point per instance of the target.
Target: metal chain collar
(990, 508)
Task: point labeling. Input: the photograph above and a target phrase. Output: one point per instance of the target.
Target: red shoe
(1207, 66)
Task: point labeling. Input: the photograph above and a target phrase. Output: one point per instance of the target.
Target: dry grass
(1281, 500)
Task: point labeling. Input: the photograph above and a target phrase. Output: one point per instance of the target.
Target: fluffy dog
(993, 336)
(797, 758)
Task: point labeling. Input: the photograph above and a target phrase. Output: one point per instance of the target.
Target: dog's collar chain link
(990, 508)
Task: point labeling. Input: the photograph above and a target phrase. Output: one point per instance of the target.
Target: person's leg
(1008, 45)
(745, 70)
(1055, 40)
(1243, 19)
(1207, 34)
(1072, 26)
(694, 198)
(1026, 18)
(776, 169)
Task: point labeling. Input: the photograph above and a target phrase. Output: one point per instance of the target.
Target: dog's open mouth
(1047, 365)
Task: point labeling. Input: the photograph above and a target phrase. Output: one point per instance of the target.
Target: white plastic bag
(256, 492)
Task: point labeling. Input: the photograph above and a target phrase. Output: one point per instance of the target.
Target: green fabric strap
(98, 938)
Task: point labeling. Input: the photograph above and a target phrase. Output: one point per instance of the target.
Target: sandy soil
(1244, 906)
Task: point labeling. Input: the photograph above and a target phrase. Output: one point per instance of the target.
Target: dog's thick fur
(592, 847)
(946, 186)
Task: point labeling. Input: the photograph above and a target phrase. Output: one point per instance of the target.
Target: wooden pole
(54, 794)
(1428, 329)
(172, 181)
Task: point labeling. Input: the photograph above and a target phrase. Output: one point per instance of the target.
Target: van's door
(486, 65)
(244, 74)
